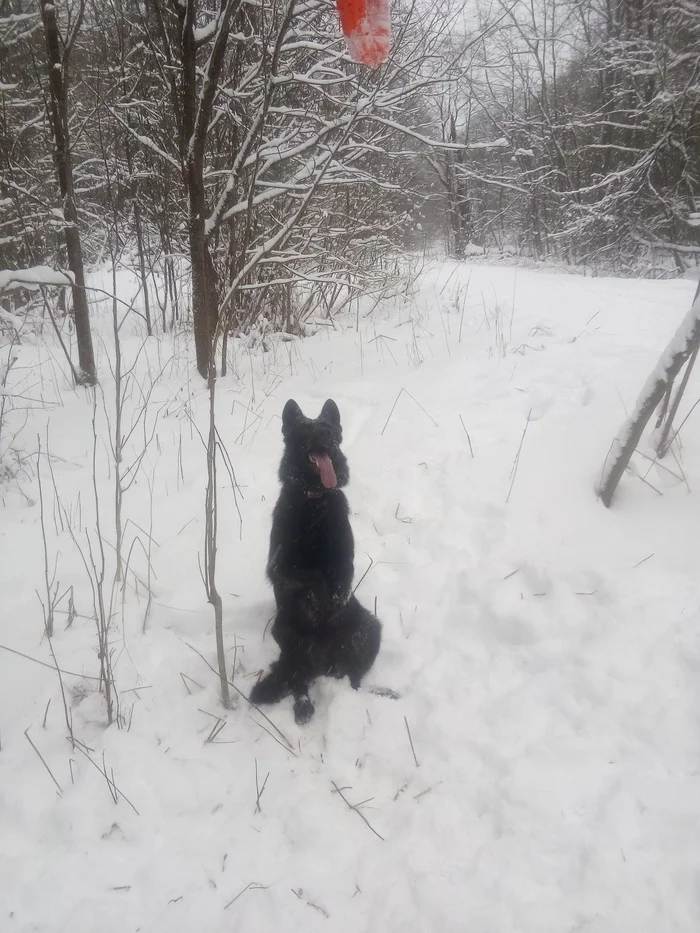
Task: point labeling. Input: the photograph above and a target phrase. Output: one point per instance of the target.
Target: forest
(232, 259)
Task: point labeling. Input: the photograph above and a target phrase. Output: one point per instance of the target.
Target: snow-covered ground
(546, 650)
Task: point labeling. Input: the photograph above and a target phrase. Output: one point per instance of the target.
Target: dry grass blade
(654, 461)
(514, 468)
(426, 413)
(259, 790)
(410, 739)
(43, 761)
(391, 412)
(371, 564)
(185, 678)
(114, 791)
(464, 305)
(217, 728)
(273, 736)
(51, 667)
(471, 449)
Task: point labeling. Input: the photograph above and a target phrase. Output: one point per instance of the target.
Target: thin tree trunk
(140, 245)
(663, 443)
(196, 116)
(211, 534)
(138, 223)
(58, 84)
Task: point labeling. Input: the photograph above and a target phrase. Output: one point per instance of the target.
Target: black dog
(320, 627)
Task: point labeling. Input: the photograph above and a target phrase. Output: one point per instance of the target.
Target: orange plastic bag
(367, 28)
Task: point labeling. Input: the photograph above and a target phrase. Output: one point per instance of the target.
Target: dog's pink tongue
(325, 468)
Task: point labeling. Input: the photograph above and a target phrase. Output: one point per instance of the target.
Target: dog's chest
(320, 525)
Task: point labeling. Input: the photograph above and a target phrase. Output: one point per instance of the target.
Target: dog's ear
(291, 415)
(330, 413)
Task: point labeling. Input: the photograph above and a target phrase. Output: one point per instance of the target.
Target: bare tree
(58, 54)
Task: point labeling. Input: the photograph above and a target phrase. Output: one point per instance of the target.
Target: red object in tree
(367, 28)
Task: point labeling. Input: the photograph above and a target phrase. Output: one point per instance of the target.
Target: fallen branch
(354, 807)
(671, 361)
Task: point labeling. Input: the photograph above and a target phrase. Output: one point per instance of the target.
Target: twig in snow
(406, 520)
(654, 461)
(643, 560)
(391, 412)
(413, 399)
(68, 715)
(51, 667)
(421, 407)
(302, 897)
(514, 468)
(43, 761)
(647, 483)
(273, 736)
(253, 886)
(185, 678)
(411, 741)
(471, 449)
(464, 305)
(678, 429)
(259, 790)
(218, 727)
(680, 467)
(49, 613)
(371, 564)
(114, 791)
(289, 745)
(354, 808)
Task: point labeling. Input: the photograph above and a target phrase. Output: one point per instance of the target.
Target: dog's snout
(323, 436)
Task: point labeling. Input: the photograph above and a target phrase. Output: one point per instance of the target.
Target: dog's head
(312, 457)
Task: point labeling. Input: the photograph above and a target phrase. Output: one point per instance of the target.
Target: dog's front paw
(303, 710)
(269, 689)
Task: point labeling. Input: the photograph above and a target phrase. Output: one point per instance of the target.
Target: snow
(545, 649)
(204, 33)
(33, 277)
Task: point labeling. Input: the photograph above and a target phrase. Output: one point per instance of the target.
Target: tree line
(236, 139)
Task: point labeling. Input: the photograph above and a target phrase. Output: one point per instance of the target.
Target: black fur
(320, 626)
